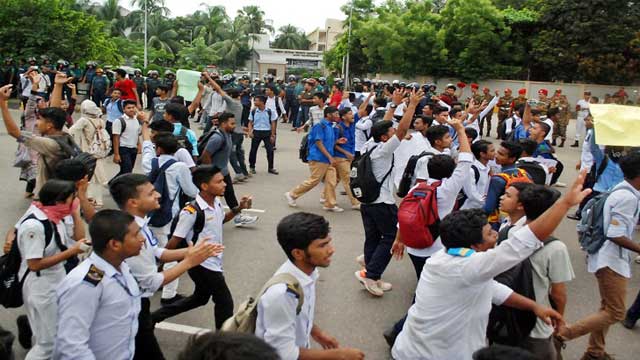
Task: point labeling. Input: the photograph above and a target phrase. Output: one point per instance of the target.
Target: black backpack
(183, 140)
(462, 197)
(10, 281)
(204, 140)
(363, 183)
(407, 175)
(158, 178)
(536, 171)
(303, 151)
(198, 226)
(70, 150)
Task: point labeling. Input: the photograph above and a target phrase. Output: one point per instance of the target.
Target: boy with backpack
(548, 269)
(201, 222)
(113, 108)
(187, 139)
(281, 321)
(539, 172)
(475, 188)
(126, 137)
(609, 249)
(538, 132)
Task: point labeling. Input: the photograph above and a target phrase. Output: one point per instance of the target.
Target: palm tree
(234, 44)
(110, 13)
(253, 16)
(153, 6)
(160, 34)
(211, 23)
(290, 37)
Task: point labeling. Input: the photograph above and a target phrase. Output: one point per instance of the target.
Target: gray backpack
(244, 320)
(592, 230)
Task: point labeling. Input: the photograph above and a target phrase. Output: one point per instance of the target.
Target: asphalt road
(343, 307)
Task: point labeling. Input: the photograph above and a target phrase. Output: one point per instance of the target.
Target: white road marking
(186, 329)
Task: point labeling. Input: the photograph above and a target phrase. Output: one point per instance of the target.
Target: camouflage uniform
(543, 106)
(560, 127)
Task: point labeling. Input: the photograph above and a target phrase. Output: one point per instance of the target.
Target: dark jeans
(633, 314)
(31, 184)
(418, 264)
(229, 193)
(294, 108)
(303, 116)
(556, 175)
(245, 115)
(147, 346)
(127, 160)
(150, 96)
(379, 222)
(98, 97)
(487, 120)
(209, 284)
(258, 137)
(237, 155)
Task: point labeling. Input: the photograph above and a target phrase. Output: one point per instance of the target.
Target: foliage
(290, 37)
(197, 55)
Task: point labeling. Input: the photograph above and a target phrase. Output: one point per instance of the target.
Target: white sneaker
(321, 201)
(385, 286)
(242, 220)
(360, 260)
(637, 259)
(290, 199)
(355, 207)
(333, 209)
(560, 184)
(371, 285)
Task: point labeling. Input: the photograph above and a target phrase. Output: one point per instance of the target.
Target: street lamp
(346, 73)
(146, 61)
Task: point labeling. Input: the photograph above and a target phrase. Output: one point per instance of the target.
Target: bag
(303, 151)
(253, 113)
(418, 219)
(534, 170)
(6, 344)
(23, 158)
(462, 197)
(198, 226)
(158, 178)
(100, 143)
(363, 183)
(592, 230)
(520, 176)
(184, 142)
(70, 150)
(10, 281)
(244, 320)
(407, 176)
(118, 104)
(204, 139)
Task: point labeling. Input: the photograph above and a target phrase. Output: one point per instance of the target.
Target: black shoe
(24, 331)
(390, 336)
(172, 300)
(574, 217)
(273, 171)
(253, 171)
(628, 323)
(575, 144)
(553, 142)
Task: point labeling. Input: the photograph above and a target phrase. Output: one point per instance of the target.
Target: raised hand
(416, 97)
(5, 92)
(61, 78)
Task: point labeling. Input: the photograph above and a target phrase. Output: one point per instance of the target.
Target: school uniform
(128, 146)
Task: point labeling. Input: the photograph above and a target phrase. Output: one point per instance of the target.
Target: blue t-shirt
(544, 150)
(322, 131)
(348, 132)
(113, 109)
(191, 136)
(520, 132)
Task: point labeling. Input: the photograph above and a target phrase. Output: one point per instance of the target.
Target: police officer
(244, 87)
(98, 87)
(169, 79)
(152, 83)
(291, 104)
(138, 79)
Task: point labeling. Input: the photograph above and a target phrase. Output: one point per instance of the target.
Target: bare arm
(405, 122)
(12, 127)
(324, 151)
(558, 294)
(520, 302)
(49, 261)
(626, 243)
(196, 101)
(56, 95)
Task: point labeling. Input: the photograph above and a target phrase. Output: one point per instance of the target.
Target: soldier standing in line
(486, 96)
(504, 110)
(560, 102)
(543, 102)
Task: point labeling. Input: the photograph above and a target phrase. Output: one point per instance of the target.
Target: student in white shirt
(477, 185)
(456, 288)
(126, 131)
(413, 144)
(306, 241)
(274, 102)
(582, 111)
(611, 264)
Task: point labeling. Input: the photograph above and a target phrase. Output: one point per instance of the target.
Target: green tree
(197, 55)
(210, 23)
(234, 48)
(153, 6)
(253, 16)
(160, 34)
(290, 37)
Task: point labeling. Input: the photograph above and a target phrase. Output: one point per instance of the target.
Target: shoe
(561, 143)
(238, 179)
(553, 142)
(385, 286)
(290, 199)
(24, 331)
(628, 323)
(333, 209)
(574, 217)
(637, 259)
(245, 177)
(242, 220)
(321, 201)
(252, 171)
(355, 207)
(390, 336)
(559, 184)
(371, 285)
(273, 171)
(360, 260)
(575, 144)
(604, 356)
(172, 300)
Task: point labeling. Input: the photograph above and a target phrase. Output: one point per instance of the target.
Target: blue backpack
(158, 178)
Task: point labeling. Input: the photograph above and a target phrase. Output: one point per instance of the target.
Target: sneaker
(333, 209)
(575, 144)
(245, 177)
(273, 171)
(390, 336)
(242, 220)
(637, 259)
(574, 217)
(172, 300)
(290, 199)
(360, 260)
(355, 207)
(385, 286)
(628, 323)
(24, 331)
(559, 184)
(371, 285)
(252, 171)
(238, 179)
(321, 201)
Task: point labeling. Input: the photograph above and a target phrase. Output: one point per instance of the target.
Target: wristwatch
(393, 106)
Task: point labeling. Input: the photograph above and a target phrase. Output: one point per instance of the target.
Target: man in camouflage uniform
(543, 102)
(504, 111)
(560, 102)
(475, 94)
(487, 97)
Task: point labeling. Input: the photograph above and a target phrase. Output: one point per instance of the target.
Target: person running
(262, 129)
(344, 153)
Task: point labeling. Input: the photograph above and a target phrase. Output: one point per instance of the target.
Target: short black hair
(502, 352)
(161, 126)
(167, 142)
(553, 112)
(70, 170)
(128, 102)
(330, 110)
(380, 101)
(480, 146)
(176, 111)
(428, 120)
(545, 127)
(320, 95)
(380, 128)
(630, 165)
(225, 116)
(520, 109)
(454, 111)
(528, 146)
(227, 346)
(299, 230)
(125, 187)
(55, 191)
(261, 98)
(234, 93)
(461, 229)
(436, 132)
(536, 199)
(439, 109)
(178, 99)
(515, 150)
(55, 116)
(203, 174)
(121, 72)
(344, 112)
(441, 166)
(472, 133)
(108, 225)
(164, 88)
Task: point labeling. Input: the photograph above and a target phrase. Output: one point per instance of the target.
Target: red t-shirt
(336, 99)
(128, 88)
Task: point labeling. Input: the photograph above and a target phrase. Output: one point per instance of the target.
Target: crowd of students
(408, 159)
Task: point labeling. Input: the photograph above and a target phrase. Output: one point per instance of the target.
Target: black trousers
(147, 346)
(379, 222)
(127, 160)
(229, 193)
(261, 136)
(209, 284)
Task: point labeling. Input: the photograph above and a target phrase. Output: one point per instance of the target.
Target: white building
(265, 60)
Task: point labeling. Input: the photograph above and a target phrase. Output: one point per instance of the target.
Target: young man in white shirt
(582, 111)
(456, 288)
(380, 217)
(126, 137)
(611, 264)
(413, 144)
(306, 241)
(550, 265)
(478, 182)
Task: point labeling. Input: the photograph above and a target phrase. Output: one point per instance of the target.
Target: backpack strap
(476, 173)
(123, 124)
(603, 166)
(50, 233)
(293, 286)
(198, 226)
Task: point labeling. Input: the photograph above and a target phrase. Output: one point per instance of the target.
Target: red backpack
(418, 219)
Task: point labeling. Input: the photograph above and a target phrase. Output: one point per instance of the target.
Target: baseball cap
(543, 91)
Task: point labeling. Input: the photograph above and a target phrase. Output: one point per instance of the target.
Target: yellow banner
(616, 124)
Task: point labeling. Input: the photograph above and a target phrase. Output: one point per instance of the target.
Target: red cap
(543, 91)
(486, 89)
(522, 91)
(474, 86)
(461, 84)
(558, 91)
(508, 90)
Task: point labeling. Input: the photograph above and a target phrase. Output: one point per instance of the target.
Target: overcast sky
(304, 14)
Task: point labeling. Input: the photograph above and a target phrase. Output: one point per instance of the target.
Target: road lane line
(186, 329)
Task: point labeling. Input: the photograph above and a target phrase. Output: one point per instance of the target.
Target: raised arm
(405, 122)
(12, 127)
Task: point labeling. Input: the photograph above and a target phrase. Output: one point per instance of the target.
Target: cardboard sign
(617, 125)
(187, 83)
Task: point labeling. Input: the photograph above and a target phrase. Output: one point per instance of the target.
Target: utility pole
(347, 81)
(146, 60)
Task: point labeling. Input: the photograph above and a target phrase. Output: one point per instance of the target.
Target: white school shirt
(621, 214)
(363, 126)
(446, 197)
(586, 157)
(381, 162)
(509, 127)
(271, 104)
(216, 104)
(408, 148)
(129, 138)
(213, 220)
(277, 322)
(144, 266)
(549, 122)
(454, 296)
(584, 109)
(476, 192)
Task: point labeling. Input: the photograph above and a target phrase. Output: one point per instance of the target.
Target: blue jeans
(237, 155)
(127, 160)
(379, 222)
(303, 116)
